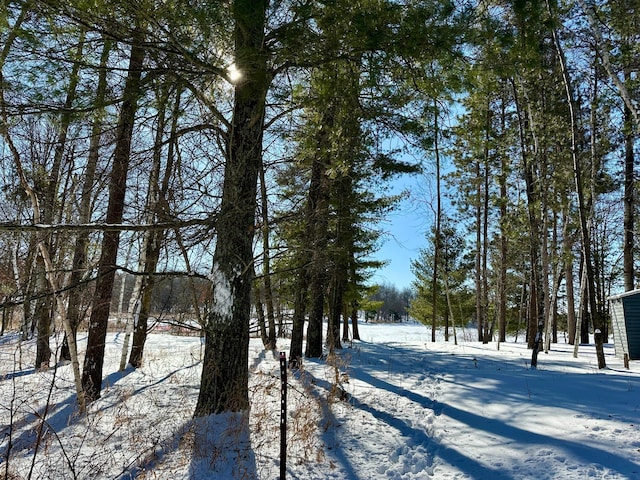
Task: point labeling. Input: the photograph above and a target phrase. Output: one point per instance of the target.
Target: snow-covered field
(404, 408)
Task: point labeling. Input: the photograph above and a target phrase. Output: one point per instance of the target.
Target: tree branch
(104, 227)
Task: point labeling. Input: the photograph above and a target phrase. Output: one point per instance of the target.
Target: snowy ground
(405, 408)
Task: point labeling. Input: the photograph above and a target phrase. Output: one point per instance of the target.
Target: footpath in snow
(392, 406)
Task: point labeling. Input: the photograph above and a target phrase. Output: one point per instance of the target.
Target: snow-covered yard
(404, 408)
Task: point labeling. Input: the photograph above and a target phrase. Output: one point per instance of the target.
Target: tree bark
(318, 196)
(629, 201)
(299, 314)
(94, 358)
(224, 382)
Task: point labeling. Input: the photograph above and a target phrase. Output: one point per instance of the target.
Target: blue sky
(405, 229)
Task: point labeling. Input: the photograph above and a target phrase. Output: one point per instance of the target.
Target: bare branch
(104, 227)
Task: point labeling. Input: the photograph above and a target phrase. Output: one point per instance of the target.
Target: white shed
(625, 322)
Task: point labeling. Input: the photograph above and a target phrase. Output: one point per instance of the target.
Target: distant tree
(452, 275)
(392, 302)
(157, 211)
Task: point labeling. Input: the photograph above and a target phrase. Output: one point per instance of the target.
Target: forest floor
(392, 406)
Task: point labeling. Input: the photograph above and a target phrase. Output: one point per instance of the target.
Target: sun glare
(234, 73)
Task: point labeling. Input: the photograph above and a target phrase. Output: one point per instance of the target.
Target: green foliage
(453, 275)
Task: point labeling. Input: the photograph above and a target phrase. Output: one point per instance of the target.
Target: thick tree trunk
(341, 257)
(317, 283)
(225, 370)
(318, 211)
(299, 314)
(94, 359)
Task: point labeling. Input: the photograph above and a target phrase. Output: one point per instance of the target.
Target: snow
(392, 406)
(222, 293)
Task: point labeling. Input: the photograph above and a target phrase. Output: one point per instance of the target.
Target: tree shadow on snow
(54, 417)
(329, 421)
(17, 374)
(392, 361)
(222, 448)
(219, 447)
(419, 436)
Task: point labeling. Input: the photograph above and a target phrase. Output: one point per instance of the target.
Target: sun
(234, 74)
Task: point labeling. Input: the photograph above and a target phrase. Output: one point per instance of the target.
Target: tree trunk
(568, 275)
(154, 239)
(49, 204)
(480, 317)
(79, 262)
(354, 323)
(42, 318)
(299, 314)
(629, 201)
(598, 326)
(318, 203)
(225, 370)
(536, 313)
(140, 326)
(94, 358)
(437, 233)
(345, 322)
(44, 253)
(266, 263)
(488, 328)
(257, 302)
(504, 245)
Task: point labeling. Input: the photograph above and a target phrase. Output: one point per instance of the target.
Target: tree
(79, 265)
(157, 209)
(94, 357)
(225, 370)
(452, 276)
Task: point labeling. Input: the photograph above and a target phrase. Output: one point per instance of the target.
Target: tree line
(247, 148)
(542, 174)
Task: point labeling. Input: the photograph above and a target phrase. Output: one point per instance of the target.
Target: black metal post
(283, 415)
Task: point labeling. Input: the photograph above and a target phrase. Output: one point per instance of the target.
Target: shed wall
(632, 323)
(619, 328)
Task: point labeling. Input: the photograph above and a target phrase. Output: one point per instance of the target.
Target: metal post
(283, 415)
